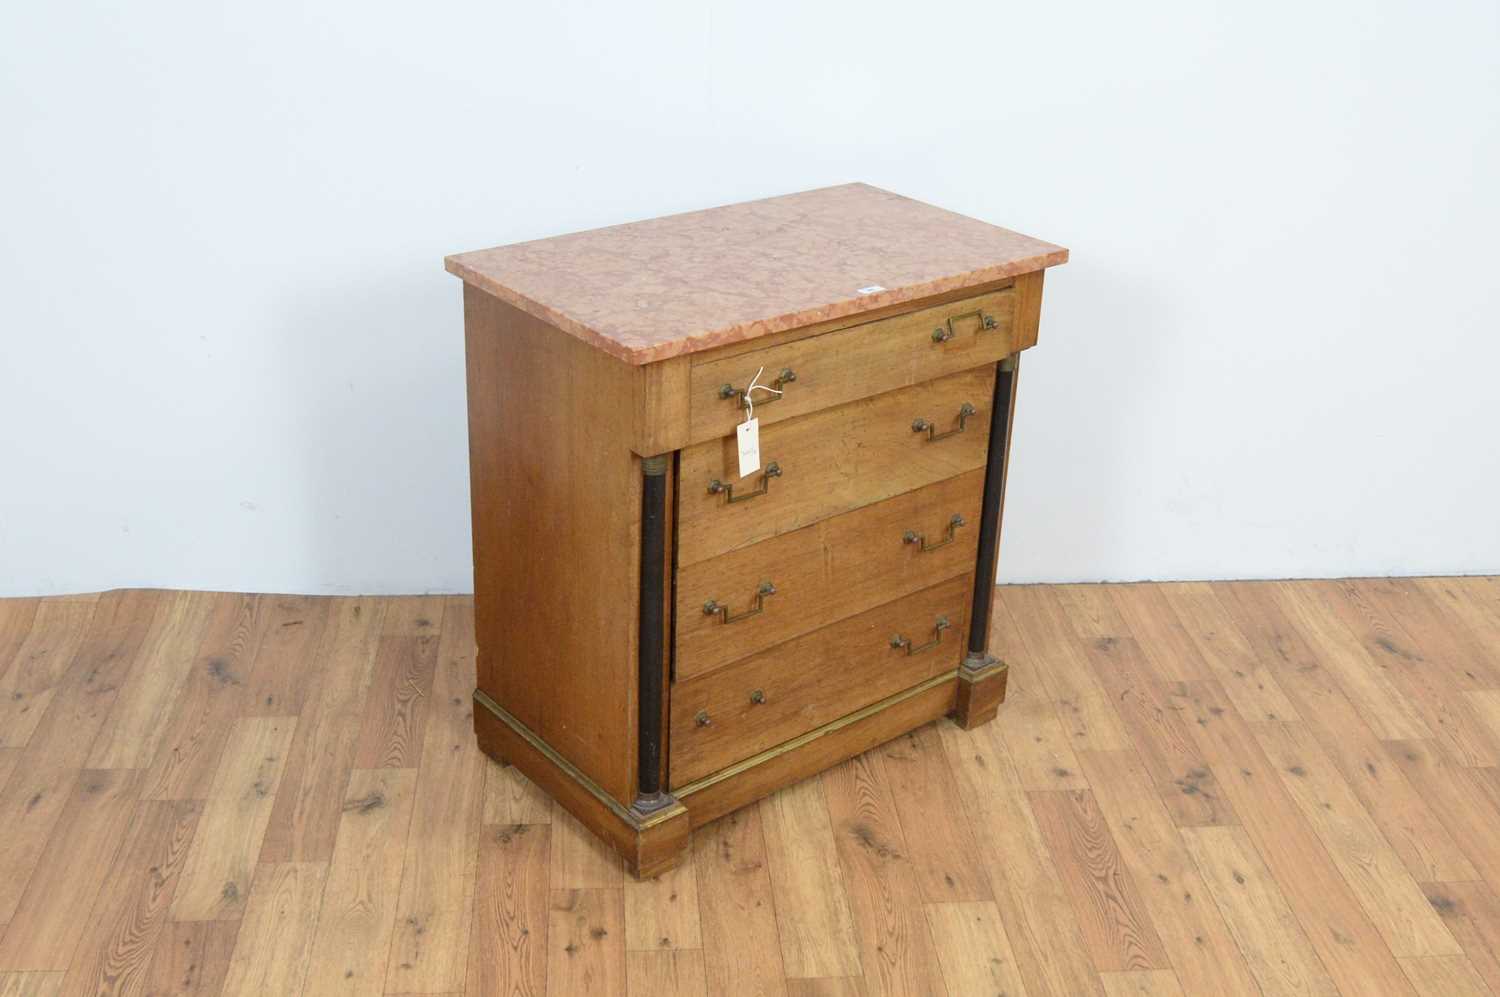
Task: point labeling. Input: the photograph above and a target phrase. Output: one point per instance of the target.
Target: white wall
(230, 357)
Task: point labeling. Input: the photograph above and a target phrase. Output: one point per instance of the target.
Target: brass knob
(757, 696)
(702, 719)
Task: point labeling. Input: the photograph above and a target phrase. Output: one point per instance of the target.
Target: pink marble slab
(655, 289)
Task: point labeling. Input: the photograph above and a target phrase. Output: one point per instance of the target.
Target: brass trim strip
(813, 735)
(571, 770)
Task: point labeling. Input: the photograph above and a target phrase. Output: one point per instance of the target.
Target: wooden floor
(1198, 789)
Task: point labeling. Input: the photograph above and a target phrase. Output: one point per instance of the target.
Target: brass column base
(981, 690)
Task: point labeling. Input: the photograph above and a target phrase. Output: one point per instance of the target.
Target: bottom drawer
(787, 690)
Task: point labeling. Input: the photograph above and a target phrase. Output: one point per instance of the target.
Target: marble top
(651, 290)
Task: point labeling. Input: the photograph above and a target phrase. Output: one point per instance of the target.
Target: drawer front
(833, 461)
(792, 688)
(736, 604)
(858, 362)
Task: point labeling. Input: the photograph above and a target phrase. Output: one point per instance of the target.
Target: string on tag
(750, 393)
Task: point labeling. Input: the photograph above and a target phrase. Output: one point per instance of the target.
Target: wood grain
(973, 949)
(812, 906)
(741, 945)
(212, 697)
(37, 666)
(351, 946)
(1185, 780)
(34, 984)
(117, 632)
(662, 912)
(216, 880)
(823, 573)
(812, 680)
(1042, 926)
(1471, 912)
(1194, 935)
(1385, 889)
(511, 798)
(46, 925)
(508, 945)
(294, 629)
(939, 841)
(1340, 931)
(191, 959)
(1266, 930)
(931, 863)
(1117, 932)
(1407, 821)
(549, 450)
(305, 820)
(433, 911)
(586, 943)
(134, 727)
(895, 942)
(665, 973)
(868, 359)
(274, 943)
(832, 461)
(391, 734)
(131, 912)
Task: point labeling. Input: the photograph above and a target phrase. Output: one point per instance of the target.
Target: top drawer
(857, 362)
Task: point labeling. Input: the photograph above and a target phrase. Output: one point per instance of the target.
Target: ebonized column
(651, 662)
(1001, 410)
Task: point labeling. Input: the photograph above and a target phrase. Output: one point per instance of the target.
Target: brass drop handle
(701, 719)
(773, 470)
(714, 608)
(899, 641)
(913, 537)
(923, 426)
(787, 376)
(757, 696)
(941, 335)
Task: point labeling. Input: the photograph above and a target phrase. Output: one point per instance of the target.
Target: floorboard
(1214, 788)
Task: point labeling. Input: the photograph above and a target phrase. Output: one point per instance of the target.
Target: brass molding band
(655, 466)
(812, 735)
(572, 771)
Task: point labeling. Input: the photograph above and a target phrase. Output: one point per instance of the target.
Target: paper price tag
(747, 434)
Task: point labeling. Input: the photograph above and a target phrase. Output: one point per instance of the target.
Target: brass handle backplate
(942, 335)
(714, 608)
(923, 426)
(773, 470)
(787, 376)
(899, 641)
(913, 537)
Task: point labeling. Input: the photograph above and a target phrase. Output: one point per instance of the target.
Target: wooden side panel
(556, 513)
(830, 462)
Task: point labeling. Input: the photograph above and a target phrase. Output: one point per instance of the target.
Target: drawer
(832, 461)
(857, 362)
(736, 604)
(792, 688)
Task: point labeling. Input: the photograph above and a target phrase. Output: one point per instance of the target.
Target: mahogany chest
(663, 639)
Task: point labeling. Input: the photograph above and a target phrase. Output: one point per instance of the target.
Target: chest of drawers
(662, 640)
